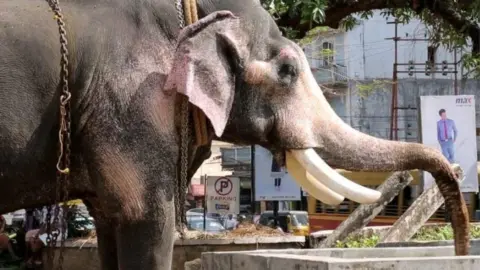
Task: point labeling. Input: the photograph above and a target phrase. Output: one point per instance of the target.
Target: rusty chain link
(65, 141)
(63, 163)
(181, 186)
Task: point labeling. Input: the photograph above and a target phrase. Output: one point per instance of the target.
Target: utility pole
(430, 68)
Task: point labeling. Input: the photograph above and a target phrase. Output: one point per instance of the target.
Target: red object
(319, 222)
(197, 190)
(445, 126)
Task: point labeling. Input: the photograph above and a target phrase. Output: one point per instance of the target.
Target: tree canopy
(451, 23)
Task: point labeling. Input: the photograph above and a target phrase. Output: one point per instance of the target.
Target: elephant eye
(287, 70)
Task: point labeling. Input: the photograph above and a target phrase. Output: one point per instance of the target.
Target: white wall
(367, 54)
(213, 165)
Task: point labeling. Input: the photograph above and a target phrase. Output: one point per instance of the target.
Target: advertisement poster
(448, 124)
(272, 182)
(223, 195)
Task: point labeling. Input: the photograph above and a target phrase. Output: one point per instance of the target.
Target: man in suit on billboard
(446, 134)
(277, 173)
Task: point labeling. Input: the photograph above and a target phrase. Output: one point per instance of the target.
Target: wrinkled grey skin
(126, 71)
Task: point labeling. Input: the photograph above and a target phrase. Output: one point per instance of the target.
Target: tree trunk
(365, 213)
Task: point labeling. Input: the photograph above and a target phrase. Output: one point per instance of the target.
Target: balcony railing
(330, 74)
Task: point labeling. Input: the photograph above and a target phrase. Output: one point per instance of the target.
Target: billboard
(448, 124)
(223, 195)
(272, 182)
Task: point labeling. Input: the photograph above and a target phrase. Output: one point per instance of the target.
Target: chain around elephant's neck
(187, 14)
(63, 163)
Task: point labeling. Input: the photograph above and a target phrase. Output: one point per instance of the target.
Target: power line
(430, 68)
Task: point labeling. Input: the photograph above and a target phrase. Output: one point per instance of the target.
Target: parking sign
(223, 195)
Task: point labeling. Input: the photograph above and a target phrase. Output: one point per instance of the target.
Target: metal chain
(184, 142)
(63, 163)
(182, 185)
(180, 15)
(49, 237)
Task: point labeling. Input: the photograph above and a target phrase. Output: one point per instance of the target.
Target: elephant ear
(205, 63)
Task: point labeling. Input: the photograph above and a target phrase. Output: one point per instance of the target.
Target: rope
(187, 17)
(200, 122)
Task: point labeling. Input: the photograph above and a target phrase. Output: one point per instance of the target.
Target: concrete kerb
(200, 242)
(317, 237)
(413, 258)
(474, 244)
(241, 241)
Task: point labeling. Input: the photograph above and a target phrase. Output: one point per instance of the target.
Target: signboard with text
(273, 182)
(223, 195)
(449, 125)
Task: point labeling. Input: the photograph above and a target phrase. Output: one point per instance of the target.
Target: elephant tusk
(314, 187)
(316, 166)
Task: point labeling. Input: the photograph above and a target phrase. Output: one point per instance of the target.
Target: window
(431, 51)
(327, 53)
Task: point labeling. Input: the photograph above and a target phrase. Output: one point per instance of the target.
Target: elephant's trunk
(347, 148)
(341, 146)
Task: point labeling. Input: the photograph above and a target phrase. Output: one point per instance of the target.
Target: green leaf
(439, 31)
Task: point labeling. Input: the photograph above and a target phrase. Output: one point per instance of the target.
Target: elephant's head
(256, 87)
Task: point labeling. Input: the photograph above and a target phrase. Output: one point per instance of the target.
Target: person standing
(5, 243)
(230, 223)
(446, 135)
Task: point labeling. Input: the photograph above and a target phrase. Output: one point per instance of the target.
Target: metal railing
(330, 74)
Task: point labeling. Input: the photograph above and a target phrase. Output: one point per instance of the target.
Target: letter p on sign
(223, 186)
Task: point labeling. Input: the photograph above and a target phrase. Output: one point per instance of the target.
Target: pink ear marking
(287, 52)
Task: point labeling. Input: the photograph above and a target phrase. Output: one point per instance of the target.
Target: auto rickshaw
(290, 221)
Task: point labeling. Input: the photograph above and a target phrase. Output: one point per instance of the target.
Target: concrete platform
(404, 258)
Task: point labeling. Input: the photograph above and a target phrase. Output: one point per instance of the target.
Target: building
(210, 167)
(344, 62)
(237, 160)
(355, 70)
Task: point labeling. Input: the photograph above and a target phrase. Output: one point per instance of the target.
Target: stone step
(410, 258)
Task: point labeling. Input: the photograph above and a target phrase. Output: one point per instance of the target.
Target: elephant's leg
(148, 243)
(136, 190)
(106, 236)
(107, 246)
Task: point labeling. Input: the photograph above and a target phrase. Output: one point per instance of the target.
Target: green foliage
(471, 62)
(312, 13)
(357, 241)
(434, 234)
(437, 233)
(312, 34)
(308, 11)
(442, 233)
(365, 89)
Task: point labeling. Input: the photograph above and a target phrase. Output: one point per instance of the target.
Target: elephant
(130, 63)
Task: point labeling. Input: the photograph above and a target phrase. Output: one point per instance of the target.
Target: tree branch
(446, 11)
(339, 9)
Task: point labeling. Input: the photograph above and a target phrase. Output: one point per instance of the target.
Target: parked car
(199, 212)
(18, 217)
(195, 223)
(80, 223)
(195, 212)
